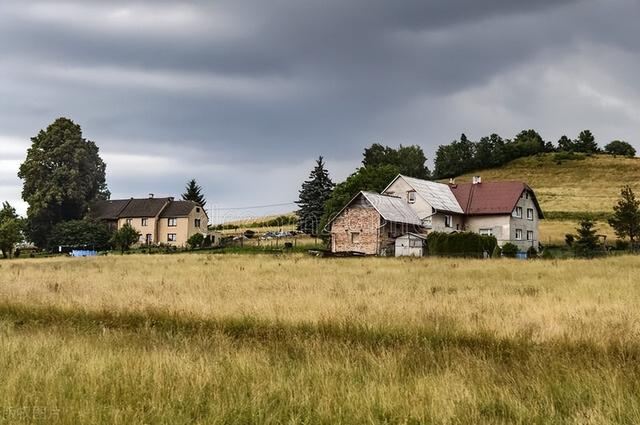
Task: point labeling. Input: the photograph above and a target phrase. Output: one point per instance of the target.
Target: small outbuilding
(411, 245)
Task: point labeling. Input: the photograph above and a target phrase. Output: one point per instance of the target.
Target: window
(529, 213)
(172, 222)
(529, 235)
(197, 209)
(171, 237)
(448, 221)
(517, 212)
(355, 237)
(518, 234)
(411, 197)
(148, 239)
(526, 195)
(197, 222)
(129, 221)
(143, 222)
(486, 232)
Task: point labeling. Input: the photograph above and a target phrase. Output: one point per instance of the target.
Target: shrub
(125, 237)
(81, 234)
(532, 252)
(207, 242)
(509, 250)
(465, 244)
(497, 252)
(569, 239)
(195, 241)
(621, 245)
(547, 254)
(618, 147)
(249, 234)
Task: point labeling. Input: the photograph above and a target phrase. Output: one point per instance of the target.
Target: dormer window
(411, 197)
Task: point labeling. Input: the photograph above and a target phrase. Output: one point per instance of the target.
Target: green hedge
(460, 244)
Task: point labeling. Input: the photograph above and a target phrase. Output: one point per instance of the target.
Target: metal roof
(392, 208)
(438, 195)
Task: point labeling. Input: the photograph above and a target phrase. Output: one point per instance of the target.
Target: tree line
(463, 155)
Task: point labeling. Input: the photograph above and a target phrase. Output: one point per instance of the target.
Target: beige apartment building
(159, 220)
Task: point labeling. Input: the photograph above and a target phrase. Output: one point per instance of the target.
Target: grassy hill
(569, 188)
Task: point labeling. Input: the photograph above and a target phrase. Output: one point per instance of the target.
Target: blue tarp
(83, 253)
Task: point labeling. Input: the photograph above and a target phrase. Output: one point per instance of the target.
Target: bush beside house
(461, 244)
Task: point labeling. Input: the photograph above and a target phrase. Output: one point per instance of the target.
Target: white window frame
(529, 232)
(448, 218)
(143, 222)
(518, 231)
(172, 222)
(529, 213)
(411, 197)
(197, 222)
(129, 221)
(486, 232)
(517, 212)
(172, 237)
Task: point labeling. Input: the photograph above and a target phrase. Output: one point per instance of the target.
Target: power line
(255, 206)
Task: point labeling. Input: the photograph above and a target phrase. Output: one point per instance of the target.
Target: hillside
(591, 184)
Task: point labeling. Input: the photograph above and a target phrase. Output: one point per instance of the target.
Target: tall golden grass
(293, 339)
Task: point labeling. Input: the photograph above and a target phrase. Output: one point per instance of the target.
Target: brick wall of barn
(357, 228)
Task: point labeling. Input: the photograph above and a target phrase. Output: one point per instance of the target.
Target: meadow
(236, 339)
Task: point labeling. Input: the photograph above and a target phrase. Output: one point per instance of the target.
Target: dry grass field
(236, 339)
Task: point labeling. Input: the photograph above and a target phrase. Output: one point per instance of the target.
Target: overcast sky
(243, 95)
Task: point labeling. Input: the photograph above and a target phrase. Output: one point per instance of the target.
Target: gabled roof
(498, 197)
(147, 207)
(178, 209)
(438, 195)
(108, 210)
(391, 208)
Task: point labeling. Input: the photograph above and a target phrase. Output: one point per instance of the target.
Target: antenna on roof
(150, 195)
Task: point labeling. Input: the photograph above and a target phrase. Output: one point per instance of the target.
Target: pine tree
(193, 192)
(586, 243)
(626, 216)
(313, 195)
(586, 143)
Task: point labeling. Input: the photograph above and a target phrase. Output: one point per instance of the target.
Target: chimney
(452, 181)
(150, 195)
(477, 179)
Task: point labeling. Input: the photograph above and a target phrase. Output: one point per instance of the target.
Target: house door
(149, 239)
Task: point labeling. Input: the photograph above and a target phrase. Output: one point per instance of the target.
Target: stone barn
(370, 224)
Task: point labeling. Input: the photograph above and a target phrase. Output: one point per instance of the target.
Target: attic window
(411, 197)
(517, 213)
(197, 209)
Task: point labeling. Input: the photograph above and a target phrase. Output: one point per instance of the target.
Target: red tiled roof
(491, 197)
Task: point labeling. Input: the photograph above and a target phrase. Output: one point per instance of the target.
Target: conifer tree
(193, 192)
(313, 195)
(586, 243)
(626, 216)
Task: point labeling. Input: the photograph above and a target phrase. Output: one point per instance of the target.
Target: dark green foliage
(207, 242)
(569, 239)
(365, 178)
(62, 174)
(587, 243)
(586, 143)
(249, 234)
(532, 252)
(80, 234)
(510, 250)
(193, 192)
(497, 252)
(125, 237)
(11, 227)
(462, 156)
(565, 144)
(196, 240)
(313, 195)
(410, 160)
(460, 244)
(625, 219)
(618, 147)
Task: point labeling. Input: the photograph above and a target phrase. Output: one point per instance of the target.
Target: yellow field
(292, 339)
(552, 232)
(588, 185)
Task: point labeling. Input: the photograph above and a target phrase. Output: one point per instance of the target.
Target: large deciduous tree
(313, 195)
(619, 147)
(625, 220)
(62, 174)
(193, 192)
(410, 160)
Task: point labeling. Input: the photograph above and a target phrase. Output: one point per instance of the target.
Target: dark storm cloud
(262, 87)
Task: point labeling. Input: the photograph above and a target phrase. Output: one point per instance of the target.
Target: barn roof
(498, 197)
(438, 195)
(392, 208)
